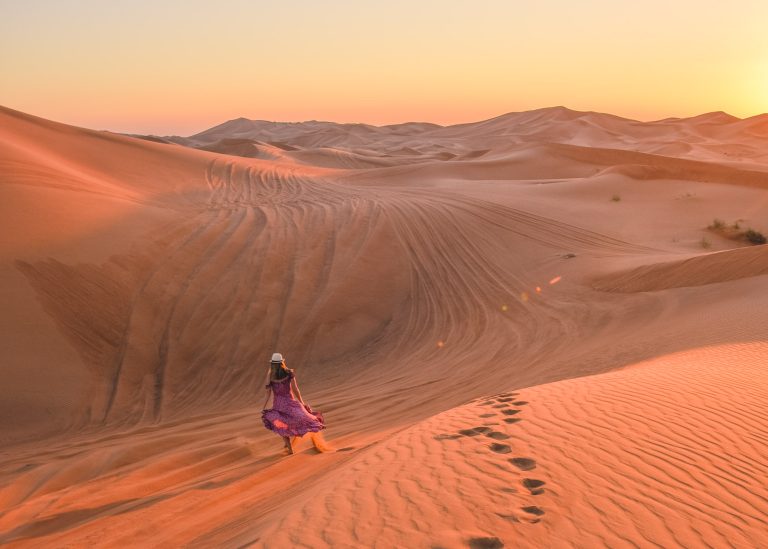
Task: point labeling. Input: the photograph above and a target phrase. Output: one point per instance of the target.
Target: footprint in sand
(510, 412)
(508, 394)
(505, 399)
(533, 510)
(520, 402)
(500, 448)
(512, 518)
(487, 415)
(501, 405)
(446, 436)
(531, 517)
(485, 543)
(530, 513)
(512, 419)
(474, 431)
(534, 486)
(498, 435)
(524, 464)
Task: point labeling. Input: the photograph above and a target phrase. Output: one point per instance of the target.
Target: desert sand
(521, 332)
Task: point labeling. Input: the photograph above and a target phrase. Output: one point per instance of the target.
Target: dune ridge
(695, 271)
(712, 137)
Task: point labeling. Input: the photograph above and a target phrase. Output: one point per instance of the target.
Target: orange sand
(412, 275)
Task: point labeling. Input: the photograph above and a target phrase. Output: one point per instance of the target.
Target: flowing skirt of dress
(288, 417)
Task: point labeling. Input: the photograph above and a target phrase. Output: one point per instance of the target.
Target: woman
(288, 417)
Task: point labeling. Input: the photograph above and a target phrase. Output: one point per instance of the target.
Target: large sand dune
(412, 274)
(713, 136)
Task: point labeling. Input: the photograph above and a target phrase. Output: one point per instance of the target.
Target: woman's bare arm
(296, 390)
(269, 389)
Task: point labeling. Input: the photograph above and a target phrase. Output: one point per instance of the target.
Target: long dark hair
(278, 370)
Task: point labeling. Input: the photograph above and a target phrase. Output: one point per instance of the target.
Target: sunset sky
(180, 66)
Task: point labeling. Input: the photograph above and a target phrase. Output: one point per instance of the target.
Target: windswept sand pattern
(627, 458)
(227, 259)
(233, 184)
(674, 447)
(243, 247)
(209, 264)
(450, 481)
(407, 272)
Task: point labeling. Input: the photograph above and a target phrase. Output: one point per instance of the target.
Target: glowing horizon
(182, 67)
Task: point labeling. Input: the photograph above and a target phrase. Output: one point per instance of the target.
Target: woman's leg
(288, 445)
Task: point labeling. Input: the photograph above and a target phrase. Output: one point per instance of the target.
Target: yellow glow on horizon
(183, 66)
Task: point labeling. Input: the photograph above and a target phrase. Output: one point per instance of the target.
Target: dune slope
(666, 453)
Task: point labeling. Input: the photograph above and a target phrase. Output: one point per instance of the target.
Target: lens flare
(555, 280)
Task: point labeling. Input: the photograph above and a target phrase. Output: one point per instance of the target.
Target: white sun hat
(277, 357)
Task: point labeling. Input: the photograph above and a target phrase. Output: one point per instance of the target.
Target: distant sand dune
(695, 271)
(712, 137)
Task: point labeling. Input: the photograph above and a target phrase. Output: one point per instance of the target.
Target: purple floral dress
(288, 417)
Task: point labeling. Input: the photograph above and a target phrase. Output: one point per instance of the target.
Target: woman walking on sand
(288, 417)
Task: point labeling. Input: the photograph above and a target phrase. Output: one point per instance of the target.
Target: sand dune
(411, 274)
(695, 271)
(712, 137)
(618, 459)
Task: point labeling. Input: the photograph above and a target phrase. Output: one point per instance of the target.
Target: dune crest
(712, 137)
(696, 271)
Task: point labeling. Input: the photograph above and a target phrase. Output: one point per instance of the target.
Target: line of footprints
(509, 406)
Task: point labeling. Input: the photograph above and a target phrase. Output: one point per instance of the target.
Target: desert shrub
(754, 237)
(717, 224)
(705, 243)
(616, 198)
